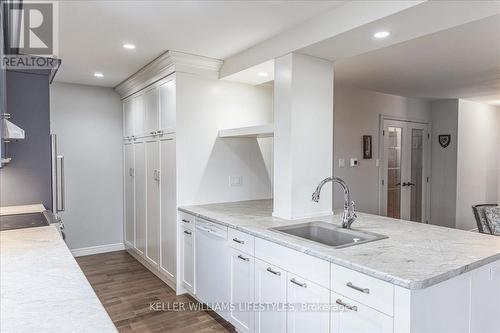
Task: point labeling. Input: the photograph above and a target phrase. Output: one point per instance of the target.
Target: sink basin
(329, 234)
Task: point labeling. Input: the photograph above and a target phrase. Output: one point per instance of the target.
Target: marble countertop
(23, 209)
(42, 287)
(414, 256)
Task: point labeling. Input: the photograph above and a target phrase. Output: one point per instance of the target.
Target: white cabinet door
(151, 111)
(188, 260)
(138, 117)
(241, 290)
(128, 171)
(128, 118)
(168, 207)
(349, 316)
(314, 319)
(167, 106)
(152, 201)
(140, 195)
(270, 293)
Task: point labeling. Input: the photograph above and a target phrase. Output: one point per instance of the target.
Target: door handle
(270, 270)
(243, 258)
(352, 286)
(347, 306)
(188, 232)
(300, 284)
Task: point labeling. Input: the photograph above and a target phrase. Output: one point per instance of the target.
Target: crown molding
(166, 64)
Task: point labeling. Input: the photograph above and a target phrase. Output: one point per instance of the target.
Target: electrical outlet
(235, 181)
(354, 162)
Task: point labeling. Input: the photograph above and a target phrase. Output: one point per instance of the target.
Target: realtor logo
(31, 34)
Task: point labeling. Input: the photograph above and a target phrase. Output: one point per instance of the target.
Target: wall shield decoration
(444, 140)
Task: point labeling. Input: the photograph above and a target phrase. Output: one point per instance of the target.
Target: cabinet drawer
(353, 317)
(186, 220)
(363, 289)
(241, 241)
(299, 263)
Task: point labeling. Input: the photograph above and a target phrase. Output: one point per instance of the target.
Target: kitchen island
(421, 278)
(42, 287)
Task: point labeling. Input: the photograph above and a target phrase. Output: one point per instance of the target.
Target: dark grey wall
(27, 179)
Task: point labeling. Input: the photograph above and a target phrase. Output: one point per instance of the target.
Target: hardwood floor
(127, 289)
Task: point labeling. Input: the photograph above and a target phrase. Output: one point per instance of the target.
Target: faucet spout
(349, 215)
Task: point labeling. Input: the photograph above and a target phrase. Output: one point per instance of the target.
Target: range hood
(11, 131)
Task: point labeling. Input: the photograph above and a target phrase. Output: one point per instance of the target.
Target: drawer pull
(347, 306)
(188, 232)
(239, 241)
(363, 290)
(185, 221)
(300, 284)
(270, 270)
(243, 258)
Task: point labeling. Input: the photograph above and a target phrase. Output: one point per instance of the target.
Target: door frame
(427, 156)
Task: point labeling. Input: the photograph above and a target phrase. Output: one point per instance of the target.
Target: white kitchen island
(421, 278)
(42, 287)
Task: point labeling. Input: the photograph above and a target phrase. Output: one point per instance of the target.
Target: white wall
(88, 124)
(444, 163)
(478, 159)
(356, 114)
(205, 161)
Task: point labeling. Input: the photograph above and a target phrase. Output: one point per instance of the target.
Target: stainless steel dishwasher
(212, 266)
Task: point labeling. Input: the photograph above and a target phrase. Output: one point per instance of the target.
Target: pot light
(262, 74)
(128, 46)
(98, 74)
(382, 34)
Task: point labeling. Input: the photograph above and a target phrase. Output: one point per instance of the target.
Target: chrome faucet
(349, 215)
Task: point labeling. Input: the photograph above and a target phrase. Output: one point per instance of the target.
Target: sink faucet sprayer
(349, 215)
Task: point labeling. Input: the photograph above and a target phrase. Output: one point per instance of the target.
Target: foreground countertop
(42, 287)
(415, 255)
(23, 209)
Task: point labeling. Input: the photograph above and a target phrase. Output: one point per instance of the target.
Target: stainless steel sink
(329, 234)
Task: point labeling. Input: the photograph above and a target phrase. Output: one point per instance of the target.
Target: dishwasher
(212, 266)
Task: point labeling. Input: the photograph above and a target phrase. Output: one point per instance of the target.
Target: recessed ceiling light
(98, 74)
(382, 34)
(128, 46)
(262, 74)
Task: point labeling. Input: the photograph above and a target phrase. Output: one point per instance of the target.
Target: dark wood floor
(127, 289)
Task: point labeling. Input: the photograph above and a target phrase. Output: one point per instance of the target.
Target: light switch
(354, 162)
(341, 162)
(235, 181)
(377, 162)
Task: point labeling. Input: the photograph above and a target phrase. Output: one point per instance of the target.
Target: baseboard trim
(85, 251)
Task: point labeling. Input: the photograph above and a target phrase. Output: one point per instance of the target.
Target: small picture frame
(367, 147)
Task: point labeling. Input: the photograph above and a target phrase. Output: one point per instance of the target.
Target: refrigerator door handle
(61, 191)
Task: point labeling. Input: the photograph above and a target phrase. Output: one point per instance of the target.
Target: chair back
(479, 213)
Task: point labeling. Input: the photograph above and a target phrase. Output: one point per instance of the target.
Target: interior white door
(349, 316)
(153, 201)
(128, 172)
(241, 290)
(405, 164)
(270, 294)
(168, 206)
(316, 317)
(140, 195)
(151, 111)
(167, 106)
(188, 260)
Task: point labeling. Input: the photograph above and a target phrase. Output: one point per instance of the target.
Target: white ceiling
(91, 33)
(461, 62)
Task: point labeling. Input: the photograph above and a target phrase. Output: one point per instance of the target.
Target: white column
(303, 135)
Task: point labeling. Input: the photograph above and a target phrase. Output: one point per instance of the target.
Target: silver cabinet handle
(347, 306)
(300, 284)
(160, 132)
(188, 232)
(270, 270)
(243, 258)
(363, 290)
(238, 241)
(61, 200)
(185, 221)
(153, 132)
(158, 175)
(131, 172)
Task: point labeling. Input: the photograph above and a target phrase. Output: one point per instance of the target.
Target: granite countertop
(42, 287)
(415, 255)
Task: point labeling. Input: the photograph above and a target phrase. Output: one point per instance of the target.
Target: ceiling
(461, 62)
(91, 33)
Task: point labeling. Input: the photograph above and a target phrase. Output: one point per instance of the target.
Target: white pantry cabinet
(129, 184)
(349, 316)
(151, 112)
(270, 294)
(128, 119)
(241, 290)
(167, 106)
(187, 256)
(153, 201)
(140, 195)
